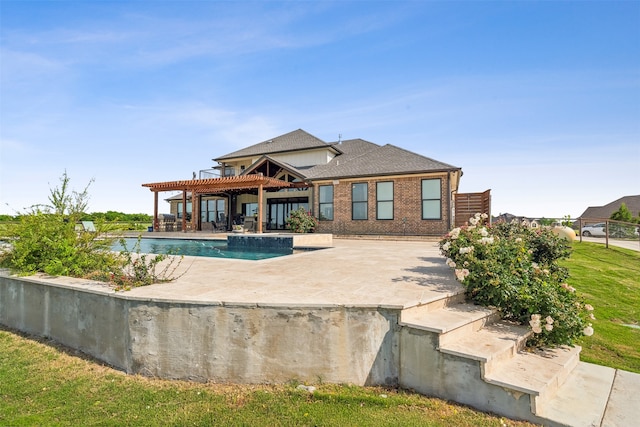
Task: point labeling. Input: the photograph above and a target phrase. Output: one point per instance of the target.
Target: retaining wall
(207, 341)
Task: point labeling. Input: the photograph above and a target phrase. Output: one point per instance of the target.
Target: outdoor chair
(88, 226)
(250, 224)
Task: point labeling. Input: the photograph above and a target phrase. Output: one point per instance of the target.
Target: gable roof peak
(291, 141)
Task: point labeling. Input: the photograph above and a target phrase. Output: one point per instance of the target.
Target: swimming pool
(205, 248)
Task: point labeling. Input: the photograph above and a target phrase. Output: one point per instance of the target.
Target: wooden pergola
(199, 187)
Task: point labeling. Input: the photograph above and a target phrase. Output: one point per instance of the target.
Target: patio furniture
(250, 224)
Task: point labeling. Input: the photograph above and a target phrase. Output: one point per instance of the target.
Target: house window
(359, 201)
(431, 199)
(326, 202)
(250, 209)
(179, 214)
(210, 210)
(384, 198)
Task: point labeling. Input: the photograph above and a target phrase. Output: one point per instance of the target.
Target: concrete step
(582, 399)
(451, 322)
(435, 301)
(494, 343)
(539, 373)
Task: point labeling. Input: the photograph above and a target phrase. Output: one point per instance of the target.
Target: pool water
(205, 248)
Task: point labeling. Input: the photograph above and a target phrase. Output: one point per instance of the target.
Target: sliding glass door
(279, 209)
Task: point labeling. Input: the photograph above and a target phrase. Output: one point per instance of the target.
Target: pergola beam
(212, 186)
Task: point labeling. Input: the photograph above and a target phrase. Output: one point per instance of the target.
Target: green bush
(46, 239)
(48, 242)
(301, 221)
(515, 269)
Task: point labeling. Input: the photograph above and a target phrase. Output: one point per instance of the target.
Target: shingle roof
(362, 158)
(355, 147)
(296, 140)
(632, 202)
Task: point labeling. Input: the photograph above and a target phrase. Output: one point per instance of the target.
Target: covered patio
(211, 186)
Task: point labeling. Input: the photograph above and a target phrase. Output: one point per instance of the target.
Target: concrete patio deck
(394, 274)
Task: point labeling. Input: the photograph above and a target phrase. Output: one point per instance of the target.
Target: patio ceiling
(217, 185)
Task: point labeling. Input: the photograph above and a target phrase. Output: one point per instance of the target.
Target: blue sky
(537, 101)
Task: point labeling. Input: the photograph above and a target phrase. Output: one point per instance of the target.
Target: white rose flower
(588, 331)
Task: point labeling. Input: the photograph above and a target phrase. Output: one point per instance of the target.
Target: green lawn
(42, 384)
(609, 279)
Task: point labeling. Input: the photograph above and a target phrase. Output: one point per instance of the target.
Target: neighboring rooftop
(632, 202)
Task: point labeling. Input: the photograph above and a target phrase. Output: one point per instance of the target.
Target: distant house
(352, 187)
(605, 212)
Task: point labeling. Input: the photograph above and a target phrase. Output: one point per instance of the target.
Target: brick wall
(407, 208)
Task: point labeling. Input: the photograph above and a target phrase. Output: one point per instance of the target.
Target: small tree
(71, 203)
(622, 214)
(301, 221)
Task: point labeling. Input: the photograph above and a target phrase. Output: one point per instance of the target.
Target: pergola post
(184, 211)
(194, 212)
(156, 223)
(260, 188)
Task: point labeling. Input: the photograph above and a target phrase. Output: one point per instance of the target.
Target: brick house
(352, 187)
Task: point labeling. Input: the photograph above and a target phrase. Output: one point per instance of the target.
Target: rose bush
(515, 269)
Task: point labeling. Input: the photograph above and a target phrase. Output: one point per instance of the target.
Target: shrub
(515, 270)
(301, 221)
(45, 239)
(48, 242)
(139, 269)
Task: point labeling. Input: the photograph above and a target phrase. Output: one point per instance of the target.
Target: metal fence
(607, 229)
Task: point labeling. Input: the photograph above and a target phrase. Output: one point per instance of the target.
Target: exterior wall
(305, 158)
(407, 208)
(302, 158)
(81, 317)
(242, 343)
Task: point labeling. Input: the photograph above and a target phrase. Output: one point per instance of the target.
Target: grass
(609, 279)
(45, 384)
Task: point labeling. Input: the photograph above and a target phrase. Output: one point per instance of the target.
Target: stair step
(539, 373)
(582, 399)
(493, 343)
(451, 322)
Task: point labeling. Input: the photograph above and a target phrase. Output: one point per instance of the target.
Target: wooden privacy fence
(468, 204)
